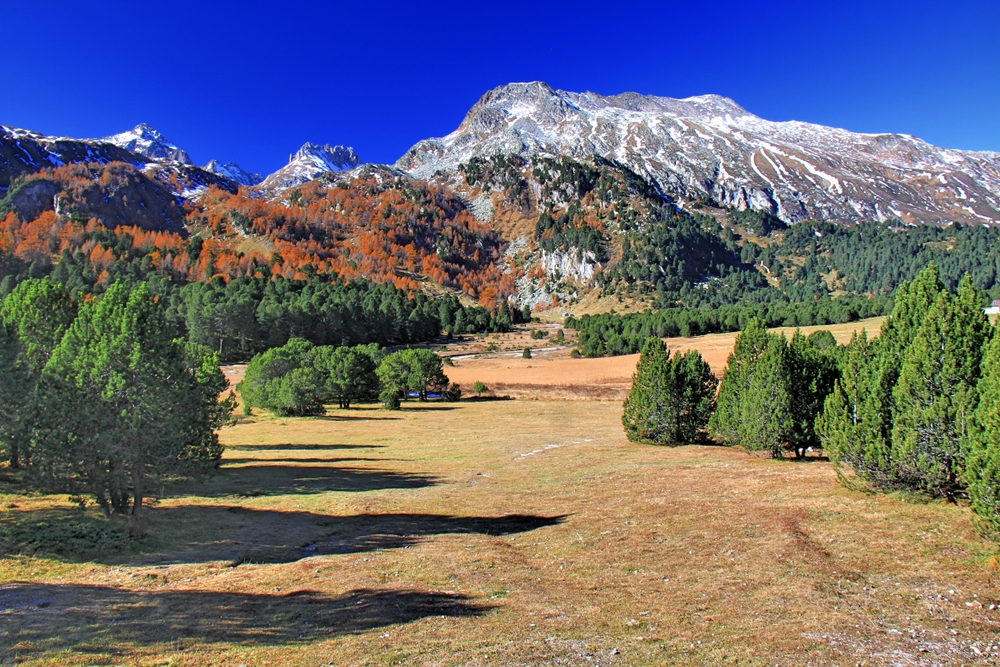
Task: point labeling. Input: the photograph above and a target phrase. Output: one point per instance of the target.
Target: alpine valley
(541, 199)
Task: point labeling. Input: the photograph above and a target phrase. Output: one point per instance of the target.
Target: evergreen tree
(671, 398)
(36, 315)
(349, 373)
(123, 402)
(983, 460)
(936, 396)
(40, 312)
(766, 420)
(426, 372)
(285, 380)
(851, 424)
(16, 394)
(693, 386)
(749, 346)
(811, 375)
(648, 414)
(394, 377)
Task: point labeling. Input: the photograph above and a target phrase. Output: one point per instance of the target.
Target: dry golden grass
(508, 533)
(554, 375)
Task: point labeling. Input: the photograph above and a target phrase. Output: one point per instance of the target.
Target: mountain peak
(146, 140)
(307, 163)
(336, 158)
(233, 172)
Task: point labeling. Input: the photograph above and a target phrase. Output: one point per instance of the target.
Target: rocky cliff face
(710, 147)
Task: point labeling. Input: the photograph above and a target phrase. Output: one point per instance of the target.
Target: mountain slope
(710, 147)
(26, 152)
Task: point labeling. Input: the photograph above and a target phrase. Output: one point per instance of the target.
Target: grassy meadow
(497, 533)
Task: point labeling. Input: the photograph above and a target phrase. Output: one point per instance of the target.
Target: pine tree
(983, 459)
(123, 402)
(348, 372)
(36, 315)
(850, 426)
(285, 380)
(766, 420)
(648, 414)
(749, 346)
(811, 376)
(693, 386)
(936, 395)
(16, 394)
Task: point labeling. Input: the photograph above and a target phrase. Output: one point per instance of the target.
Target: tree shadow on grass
(290, 447)
(40, 618)
(260, 461)
(240, 536)
(374, 532)
(237, 535)
(253, 481)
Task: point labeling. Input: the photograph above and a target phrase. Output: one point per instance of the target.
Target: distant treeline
(245, 316)
(613, 334)
(249, 315)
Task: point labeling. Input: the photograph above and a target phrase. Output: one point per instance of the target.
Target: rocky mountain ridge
(709, 147)
(308, 163)
(233, 172)
(147, 141)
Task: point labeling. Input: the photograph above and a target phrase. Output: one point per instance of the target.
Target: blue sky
(252, 81)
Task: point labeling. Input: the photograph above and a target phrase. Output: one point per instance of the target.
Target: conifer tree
(693, 386)
(811, 374)
(647, 414)
(936, 395)
(16, 394)
(850, 426)
(766, 420)
(285, 380)
(749, 346)
(672, 398)
(911, 304)
(124, 402)
(983, 459)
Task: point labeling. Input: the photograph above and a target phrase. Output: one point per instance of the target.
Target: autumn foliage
(379, 227)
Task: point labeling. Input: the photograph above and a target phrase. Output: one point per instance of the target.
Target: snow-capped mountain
(709, 145)
(308, 163)
(233, 172)
(145, 140)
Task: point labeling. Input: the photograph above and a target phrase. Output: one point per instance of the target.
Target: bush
(284, 380)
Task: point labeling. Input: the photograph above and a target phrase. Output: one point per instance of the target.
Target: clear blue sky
(252, 81)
